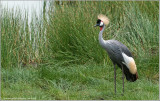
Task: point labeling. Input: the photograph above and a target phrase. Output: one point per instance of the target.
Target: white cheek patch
(130, 63)
(101, 24)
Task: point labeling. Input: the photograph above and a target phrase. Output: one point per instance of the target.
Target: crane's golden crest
(104, 19)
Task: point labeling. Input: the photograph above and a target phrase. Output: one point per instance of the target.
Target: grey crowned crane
(118, 53)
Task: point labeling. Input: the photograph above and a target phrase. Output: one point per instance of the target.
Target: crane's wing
(122, 47)
(115, 50)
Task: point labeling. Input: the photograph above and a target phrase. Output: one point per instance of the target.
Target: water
(31, 7)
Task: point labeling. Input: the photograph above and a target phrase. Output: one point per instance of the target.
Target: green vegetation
(60, 58)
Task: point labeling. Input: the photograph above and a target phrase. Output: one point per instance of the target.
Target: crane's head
(102, 21)
(99, 23)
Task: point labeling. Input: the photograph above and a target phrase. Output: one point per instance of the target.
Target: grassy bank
(60, 57)
(77, 82)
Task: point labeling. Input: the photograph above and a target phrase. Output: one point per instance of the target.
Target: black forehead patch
(98, 21)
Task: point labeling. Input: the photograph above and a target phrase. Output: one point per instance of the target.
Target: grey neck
(101, 40)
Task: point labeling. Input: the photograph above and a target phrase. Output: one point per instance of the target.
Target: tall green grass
(68, 34)
(22, 43)
(73, 38)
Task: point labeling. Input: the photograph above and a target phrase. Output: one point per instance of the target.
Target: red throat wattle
(101, 28)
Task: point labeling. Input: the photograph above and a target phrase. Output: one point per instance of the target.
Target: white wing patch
(130, 63)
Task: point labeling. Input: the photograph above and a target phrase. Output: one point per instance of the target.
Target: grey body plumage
(114, 48)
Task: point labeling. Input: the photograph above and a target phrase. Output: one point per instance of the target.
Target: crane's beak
(96, 25)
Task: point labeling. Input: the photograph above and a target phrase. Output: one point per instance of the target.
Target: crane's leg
(114, 78)
(123, 78)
